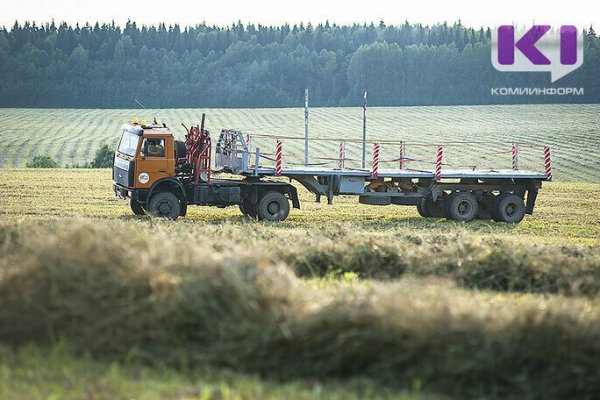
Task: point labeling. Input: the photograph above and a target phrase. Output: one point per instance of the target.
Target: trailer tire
(273, 206)
(431, 209)
(435, 208)
(422, 210)
(461, 206)
(164, 205)
(509, 207)
(136, 207)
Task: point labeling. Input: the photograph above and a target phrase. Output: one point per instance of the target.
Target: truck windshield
(129, 142)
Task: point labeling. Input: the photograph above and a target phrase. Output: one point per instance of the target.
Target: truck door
(152, 162)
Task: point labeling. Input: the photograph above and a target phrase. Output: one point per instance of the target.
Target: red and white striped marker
(547, 164)
(342, 155)
(375, 168)
(278, 149)
(515, 156)
(438, 163)
(401, 155)
(248, 142)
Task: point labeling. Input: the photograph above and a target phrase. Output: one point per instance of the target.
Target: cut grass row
(72, 136)
(113, 290)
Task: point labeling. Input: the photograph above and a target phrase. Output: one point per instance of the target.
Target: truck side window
(153, 147)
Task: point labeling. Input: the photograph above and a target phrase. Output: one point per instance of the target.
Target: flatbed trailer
(459, 194)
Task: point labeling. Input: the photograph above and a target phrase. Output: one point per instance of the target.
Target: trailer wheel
(509, 208)
(422, 210)
(136, 207)
(164, 205)
(435, 208)
(273, 206)
(461, 206)
(431, 209)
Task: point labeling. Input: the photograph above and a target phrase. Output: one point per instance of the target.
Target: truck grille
(124, 177)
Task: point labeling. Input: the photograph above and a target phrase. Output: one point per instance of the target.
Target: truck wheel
(164, 205)
(273, 206)
(136, 207)
(461, 206)
(249, 209)
(509, 208)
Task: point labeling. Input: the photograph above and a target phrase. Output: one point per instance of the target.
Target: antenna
(137, 101)
(364, 140)
(306, 127)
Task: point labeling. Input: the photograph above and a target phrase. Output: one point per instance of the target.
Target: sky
(271, 12)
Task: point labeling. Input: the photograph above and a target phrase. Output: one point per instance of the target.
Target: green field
(340, 301)
(475, 136)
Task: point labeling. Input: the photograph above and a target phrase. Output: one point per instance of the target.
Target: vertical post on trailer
(515, 156)
(278, 148)
(306, 127)
(342, 160)
(364, 142)
(256, 161)
(401, 156)
(547, 165)
(375, 168)
(438, 163)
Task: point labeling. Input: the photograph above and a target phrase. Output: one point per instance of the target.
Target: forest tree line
(106, 66)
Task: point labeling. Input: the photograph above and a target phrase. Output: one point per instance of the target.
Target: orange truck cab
(161, 176)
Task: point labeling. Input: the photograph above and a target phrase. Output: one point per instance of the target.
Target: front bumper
(125, 193)
(122, 192)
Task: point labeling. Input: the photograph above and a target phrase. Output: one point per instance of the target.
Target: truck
(162, 176)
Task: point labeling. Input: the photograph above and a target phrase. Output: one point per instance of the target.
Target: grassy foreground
(343, 301)
(33, 373)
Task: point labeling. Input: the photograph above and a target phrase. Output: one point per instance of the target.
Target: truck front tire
(272, 206)
(136, 207)
(164, 205)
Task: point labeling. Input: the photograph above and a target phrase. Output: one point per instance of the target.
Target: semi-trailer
(161, 176)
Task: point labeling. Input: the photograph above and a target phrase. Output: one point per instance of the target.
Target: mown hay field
(340, 301)
(475, 136)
